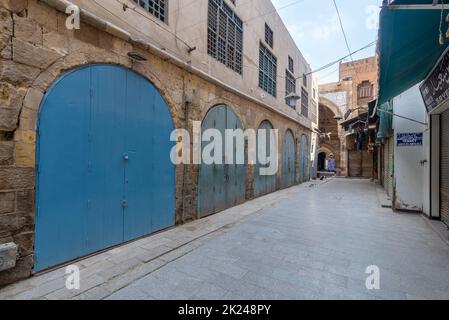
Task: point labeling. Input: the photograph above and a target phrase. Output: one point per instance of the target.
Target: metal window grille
(304, 103)
(365, 90)
(314, 112)
(290, 85)
(157, 8)
(291, 66)
(225, 35)
(269, 36)
(267, 70)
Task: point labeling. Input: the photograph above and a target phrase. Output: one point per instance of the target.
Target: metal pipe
(402, 117)
(416, 7)
(114, 30)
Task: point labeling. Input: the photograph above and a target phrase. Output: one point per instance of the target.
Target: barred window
(290, 85)
(365, 90)
(314, 112)
(269, 36)
(291, 66)
(267, 70)
(304, 103)
(157, 8)
(225, 35)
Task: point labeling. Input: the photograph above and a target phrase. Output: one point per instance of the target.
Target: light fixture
(338, 118)
(292, 98)
(136, 56)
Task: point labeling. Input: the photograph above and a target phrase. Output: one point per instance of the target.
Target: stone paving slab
(312, 241)
(112, 270)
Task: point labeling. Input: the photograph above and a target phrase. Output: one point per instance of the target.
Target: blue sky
(315, 27)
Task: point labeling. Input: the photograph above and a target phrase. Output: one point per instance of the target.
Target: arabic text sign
(410, 139)
(435, 89)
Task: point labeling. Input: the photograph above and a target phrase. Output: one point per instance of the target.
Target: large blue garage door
(104, 171)
(264, 184)
(220, 186)
(288, 160)
(304, 170)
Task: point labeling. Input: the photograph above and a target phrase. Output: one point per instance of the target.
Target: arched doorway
(322, 161)
(220, 186)
(104, 172)
(264, 184)
(288, 160)
(304, 171)
(332, 131)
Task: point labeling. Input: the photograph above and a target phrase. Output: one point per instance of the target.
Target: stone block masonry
(35, 50)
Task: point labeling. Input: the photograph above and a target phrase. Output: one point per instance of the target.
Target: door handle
(125, 156)
(124, 204)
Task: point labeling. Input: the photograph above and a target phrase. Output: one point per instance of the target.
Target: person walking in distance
(331, 164)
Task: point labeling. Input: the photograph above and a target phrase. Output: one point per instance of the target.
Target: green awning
(385, 129)
(408, 47)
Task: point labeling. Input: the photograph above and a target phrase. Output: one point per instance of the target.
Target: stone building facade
(37, 49)
(349, 97)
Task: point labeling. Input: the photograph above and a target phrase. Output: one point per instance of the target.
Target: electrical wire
(254, 65)
(341, 59)
(275, 10)
(346, 39)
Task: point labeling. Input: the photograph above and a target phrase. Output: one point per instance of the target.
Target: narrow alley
(313, 241)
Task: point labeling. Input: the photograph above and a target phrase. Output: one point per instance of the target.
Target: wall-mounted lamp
(136, 56)
(338, 118)
(292, 98)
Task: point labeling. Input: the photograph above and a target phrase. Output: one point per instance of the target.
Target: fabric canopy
(408, 46)
(385, 113)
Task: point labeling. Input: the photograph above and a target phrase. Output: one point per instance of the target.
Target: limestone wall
(35, 50)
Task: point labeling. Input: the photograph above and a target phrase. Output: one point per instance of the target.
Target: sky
(316, 29)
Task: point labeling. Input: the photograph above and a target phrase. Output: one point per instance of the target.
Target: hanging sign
(435, 89)
(409, 139)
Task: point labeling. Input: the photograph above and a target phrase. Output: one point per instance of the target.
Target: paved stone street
(312, 241)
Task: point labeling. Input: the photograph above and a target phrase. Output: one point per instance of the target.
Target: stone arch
(331, 106)
(25, 135)
(236, 108)
(35, 93)
(229, 105)
(266, 121)
(339, 150)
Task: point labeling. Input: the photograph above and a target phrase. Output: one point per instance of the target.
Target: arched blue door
(288, 161)
(220, 186)
(104, 172)
(304, 173)
(264, 184)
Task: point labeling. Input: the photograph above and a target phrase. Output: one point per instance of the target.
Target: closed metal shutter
(385, 160)
(390, 166)
(444, 167)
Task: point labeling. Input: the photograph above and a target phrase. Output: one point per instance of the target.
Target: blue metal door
(264, 184)
(304, 173)
(220, 186)
(288, 161)
(103, 158)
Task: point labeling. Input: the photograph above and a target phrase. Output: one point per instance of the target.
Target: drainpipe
(103, 25)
